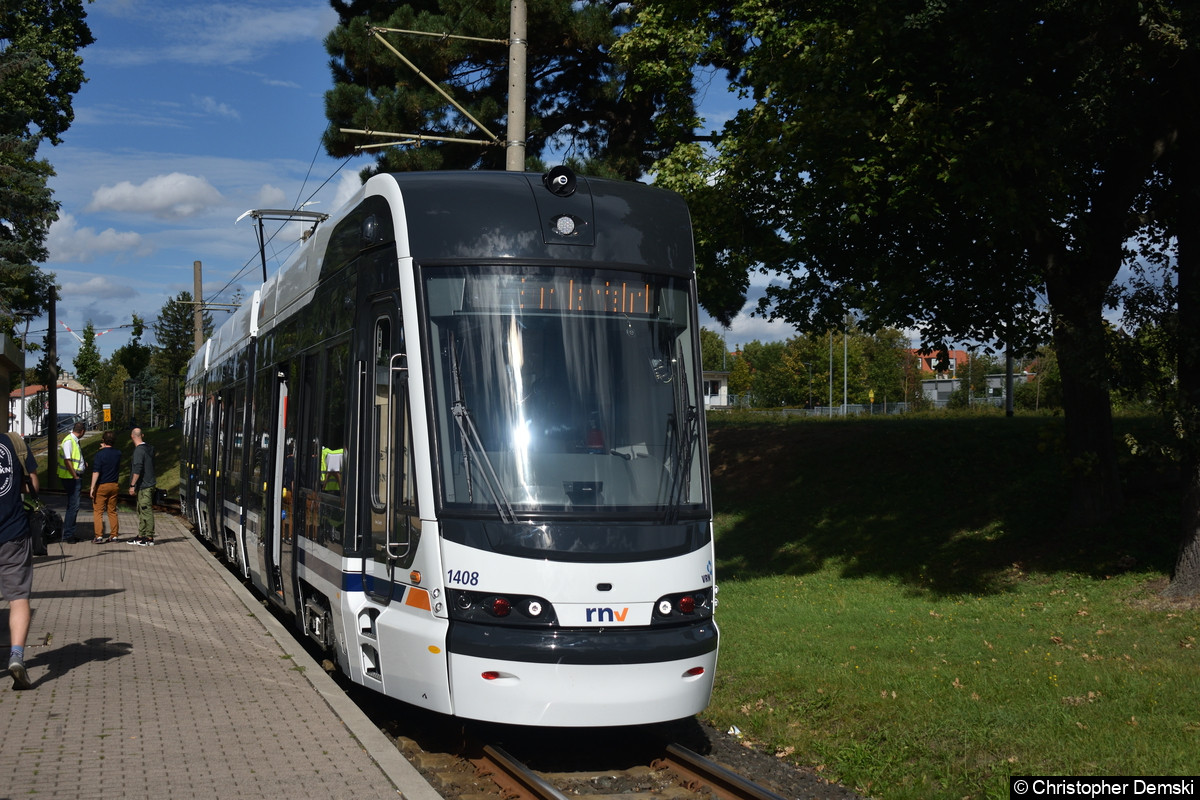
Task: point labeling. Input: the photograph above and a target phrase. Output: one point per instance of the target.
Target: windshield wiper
(472, 445)
(687, 430)
(684, 453)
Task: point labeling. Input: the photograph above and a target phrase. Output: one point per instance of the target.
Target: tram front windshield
(564, 393)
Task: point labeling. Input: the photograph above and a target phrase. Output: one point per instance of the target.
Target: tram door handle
(397, 382)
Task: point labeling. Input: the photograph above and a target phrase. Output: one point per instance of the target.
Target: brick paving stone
(156, 675)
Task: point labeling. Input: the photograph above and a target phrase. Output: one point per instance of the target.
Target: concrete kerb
(404, 776)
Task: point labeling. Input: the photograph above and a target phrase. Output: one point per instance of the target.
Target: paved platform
(157, 674)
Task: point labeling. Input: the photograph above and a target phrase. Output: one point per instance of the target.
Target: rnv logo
(606, 615)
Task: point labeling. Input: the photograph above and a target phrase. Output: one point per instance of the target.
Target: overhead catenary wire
(244, 270)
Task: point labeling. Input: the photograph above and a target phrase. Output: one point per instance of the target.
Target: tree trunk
(1076, 292)
(1185, 578)
(1077, 278)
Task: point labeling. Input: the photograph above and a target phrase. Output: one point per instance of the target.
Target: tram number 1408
(462, 577)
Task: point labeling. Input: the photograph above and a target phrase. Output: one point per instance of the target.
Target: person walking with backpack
(141, 483)
(17, 469)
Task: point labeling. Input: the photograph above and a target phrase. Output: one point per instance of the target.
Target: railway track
(467, 761)
(490, 771)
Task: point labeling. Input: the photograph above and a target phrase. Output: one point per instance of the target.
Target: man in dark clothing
(106, 469)
(17, 467)
(141, 483)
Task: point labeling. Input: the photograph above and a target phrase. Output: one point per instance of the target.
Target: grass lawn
(905, 606)
(166, 443)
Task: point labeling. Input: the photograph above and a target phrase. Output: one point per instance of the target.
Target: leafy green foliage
(87, 360)
(40, 72)
(797, 372)
(577, 94)
(950, 166)
(43, 39)
(133, 356)
(175, 333)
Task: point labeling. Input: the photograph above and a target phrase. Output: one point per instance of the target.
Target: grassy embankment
(166, 458)
(906, 606)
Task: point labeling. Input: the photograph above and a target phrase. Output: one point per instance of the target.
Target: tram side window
(380, 418)
(311, 420)
(333, 438)
(210, 404)
(261, 436)
(237, 447)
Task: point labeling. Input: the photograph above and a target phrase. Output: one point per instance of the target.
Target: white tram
(460, 438)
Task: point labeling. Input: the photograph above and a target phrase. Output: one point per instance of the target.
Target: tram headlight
(496, 609)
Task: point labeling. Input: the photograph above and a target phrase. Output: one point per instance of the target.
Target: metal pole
(845, 369)
(514, 146)
(831, 373)
(52, 398)
(24, 352)
(970, 379)
(1008, 381)
(198, 314)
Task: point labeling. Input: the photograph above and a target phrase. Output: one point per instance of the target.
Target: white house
(73, 399)
(716, 389)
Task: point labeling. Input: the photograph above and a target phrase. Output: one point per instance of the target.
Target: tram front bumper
(594, 677)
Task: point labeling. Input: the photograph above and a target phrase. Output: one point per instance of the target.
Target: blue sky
(194, 113)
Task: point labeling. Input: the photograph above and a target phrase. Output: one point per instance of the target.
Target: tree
(133, 355)
(111, 391)
(175, 333)
(40, 72)
(1043, 387)
(578, 97)
(944, 163)
(87, 360)
(712, 351)
(27, 209)
(741, 381)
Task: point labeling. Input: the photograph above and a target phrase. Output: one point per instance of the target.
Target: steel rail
(701, 773)
(513, 777)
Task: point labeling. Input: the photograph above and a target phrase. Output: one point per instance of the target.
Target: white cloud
(216, 34)
(745, 328)
(99, 287)
(271, 197)
(210, 105)
(172, 196)
(68, 242)
(348, 184)
(282, 84)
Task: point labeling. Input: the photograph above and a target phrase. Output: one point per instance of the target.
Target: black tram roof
(496, 216)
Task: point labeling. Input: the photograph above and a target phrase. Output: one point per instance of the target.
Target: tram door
(280, 511)
(388, 529)
(206, 486)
